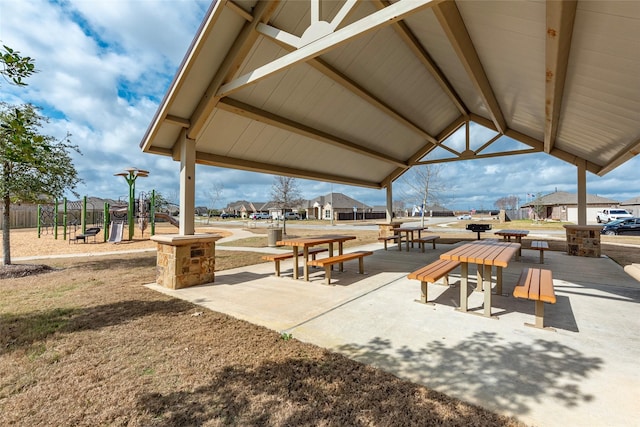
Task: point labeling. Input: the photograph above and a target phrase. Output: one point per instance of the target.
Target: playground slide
(169, 218)
(115, 232)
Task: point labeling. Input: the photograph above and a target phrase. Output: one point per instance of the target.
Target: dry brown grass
(88, 344)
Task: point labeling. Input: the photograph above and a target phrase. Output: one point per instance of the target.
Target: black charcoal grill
(478, 228)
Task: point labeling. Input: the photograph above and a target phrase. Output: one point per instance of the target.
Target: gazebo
(358, 92)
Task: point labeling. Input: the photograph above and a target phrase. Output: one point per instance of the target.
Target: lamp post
(130, 175)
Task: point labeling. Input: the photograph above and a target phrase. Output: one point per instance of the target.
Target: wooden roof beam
(623, 155)
(281, 38)
(449, 17)
(238, 52)
(380, 19)
(254, 166)
(560, 19)
(271, 119)
(405, 33)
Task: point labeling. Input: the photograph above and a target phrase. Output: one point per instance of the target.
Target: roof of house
(564, 198)
(359, 92)
(632, 201)
(338, 201)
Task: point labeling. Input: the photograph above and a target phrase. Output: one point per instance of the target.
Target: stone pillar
(583, 240)
(386, 229)
(185, 261)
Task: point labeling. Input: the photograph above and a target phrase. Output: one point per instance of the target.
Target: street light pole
(130, 175)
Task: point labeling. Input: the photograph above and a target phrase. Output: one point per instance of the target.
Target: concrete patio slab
(585, 373)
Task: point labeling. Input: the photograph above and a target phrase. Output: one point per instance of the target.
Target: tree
(285, 194)
(424, 186)
(33, 166)
(15, 67)
(538, 207)
(507, 203)
(214, 193)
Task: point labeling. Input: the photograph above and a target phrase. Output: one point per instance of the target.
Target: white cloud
(105, 65)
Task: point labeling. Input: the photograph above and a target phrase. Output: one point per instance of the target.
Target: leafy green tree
(33, 167)
(15, 67)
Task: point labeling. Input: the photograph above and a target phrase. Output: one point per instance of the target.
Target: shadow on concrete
(487, 368)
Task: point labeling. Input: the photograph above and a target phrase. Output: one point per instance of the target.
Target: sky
(104, 67)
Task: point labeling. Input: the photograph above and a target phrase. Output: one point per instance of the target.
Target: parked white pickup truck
(607, 215)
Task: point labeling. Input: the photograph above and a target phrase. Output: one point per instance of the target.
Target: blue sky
(104, 66)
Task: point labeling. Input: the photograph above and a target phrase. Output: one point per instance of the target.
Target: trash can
(273, 235)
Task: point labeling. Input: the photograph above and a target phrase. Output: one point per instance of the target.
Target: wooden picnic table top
(494, 253)
(411, 228)
(512, 233)
(316, 240)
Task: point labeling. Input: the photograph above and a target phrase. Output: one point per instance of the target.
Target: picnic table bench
(423, 240)
(394, 237)
(330, 261)
(431, 274)
(541, 246)
(536, 284)
(89, 232)
(276, 258)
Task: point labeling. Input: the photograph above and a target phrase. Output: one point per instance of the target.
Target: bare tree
(424, 186)
(214, 194)
(285, 194)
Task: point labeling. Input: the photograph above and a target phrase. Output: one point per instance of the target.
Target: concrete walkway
(585, 373)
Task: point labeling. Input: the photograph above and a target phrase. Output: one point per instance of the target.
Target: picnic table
(407, 231)
(307, 242)
(516, 234)
(485, 255)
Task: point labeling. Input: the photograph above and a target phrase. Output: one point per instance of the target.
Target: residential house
(337, 206)
(244, 208)
(563, 206)
(632, 205)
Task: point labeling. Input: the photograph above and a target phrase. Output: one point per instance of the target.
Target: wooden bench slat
(273, 257)
(422, 241)
(393, 237)
(536, 284)
(547, 293)
(522, 285)
(432, 273)
(279, 257)
(323, 262)
(541, 246)
(328, 262)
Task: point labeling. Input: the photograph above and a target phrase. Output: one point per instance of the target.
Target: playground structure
(76, 217)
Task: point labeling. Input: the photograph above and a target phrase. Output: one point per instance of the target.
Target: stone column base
(385, 229)
(185, 261)
(583, 240)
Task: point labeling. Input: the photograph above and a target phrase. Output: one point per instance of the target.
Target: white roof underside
(364, 101)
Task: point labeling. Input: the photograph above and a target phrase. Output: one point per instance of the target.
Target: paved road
(438, 224)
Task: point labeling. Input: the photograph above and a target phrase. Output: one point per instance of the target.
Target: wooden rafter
(410, 40)
(271, 119)
(560, 18)
(623, 155)
(353, 87)
(375, 21)
(478, 156)
(238, 52)
(456, 31)
(254, 166)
